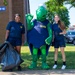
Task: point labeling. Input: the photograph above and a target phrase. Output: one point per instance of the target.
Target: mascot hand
(29, 17)
(48, 40)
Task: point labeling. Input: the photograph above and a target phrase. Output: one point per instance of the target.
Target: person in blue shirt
(59, 29)
(15, 34)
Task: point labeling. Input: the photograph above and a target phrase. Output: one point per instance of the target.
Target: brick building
(13, 7)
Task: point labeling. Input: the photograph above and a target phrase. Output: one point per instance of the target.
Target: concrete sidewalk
(41, 72)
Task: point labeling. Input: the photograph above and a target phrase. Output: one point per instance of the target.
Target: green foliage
(72, 2)
(55, 8)
(5, 2)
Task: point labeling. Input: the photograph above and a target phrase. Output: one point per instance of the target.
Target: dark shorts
(60, 43)
(15, 41)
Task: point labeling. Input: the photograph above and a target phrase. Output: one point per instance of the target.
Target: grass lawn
(70, 58)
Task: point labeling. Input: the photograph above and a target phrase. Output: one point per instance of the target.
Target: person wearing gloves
(15, 34)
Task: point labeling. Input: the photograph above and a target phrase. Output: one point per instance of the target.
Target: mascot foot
(33, 65)
(45, 66)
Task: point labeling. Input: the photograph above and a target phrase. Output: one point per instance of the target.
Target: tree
(5, 2)
(72, 2)
(54, 8)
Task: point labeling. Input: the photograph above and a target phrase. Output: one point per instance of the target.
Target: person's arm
(63, 32)
(6, 35)
(7, 31)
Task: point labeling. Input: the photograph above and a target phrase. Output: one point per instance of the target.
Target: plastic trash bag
(10, 58)
(2, 50)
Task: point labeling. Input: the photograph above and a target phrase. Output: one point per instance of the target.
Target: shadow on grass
(70, 60)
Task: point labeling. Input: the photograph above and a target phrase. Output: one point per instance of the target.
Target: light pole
(26, 11)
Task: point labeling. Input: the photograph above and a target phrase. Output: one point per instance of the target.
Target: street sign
(2, 8)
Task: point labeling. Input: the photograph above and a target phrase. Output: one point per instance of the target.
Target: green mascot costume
(39, 36)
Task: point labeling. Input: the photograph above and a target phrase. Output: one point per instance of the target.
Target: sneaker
(63, 67)
(55, 66)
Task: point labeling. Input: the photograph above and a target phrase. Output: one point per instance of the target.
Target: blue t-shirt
(56, 30)
(16, 29)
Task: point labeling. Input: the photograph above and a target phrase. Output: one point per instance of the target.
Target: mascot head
(41, 13)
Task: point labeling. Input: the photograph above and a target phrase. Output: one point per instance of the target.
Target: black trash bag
(2, 50)
(10, 59)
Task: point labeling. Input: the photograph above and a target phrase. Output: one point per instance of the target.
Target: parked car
(70, 36)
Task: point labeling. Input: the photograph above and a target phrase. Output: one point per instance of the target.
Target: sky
(35, 3)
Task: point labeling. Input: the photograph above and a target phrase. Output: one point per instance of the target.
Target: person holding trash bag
(15, 31)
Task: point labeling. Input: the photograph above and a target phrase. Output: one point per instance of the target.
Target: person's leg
(18, 49)
(63, 54)
(55, 58)
(62, 46)
(63, 57)
(18, 43)
(34, 58)
(56, 46)
(56, 55)
(43, 52)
